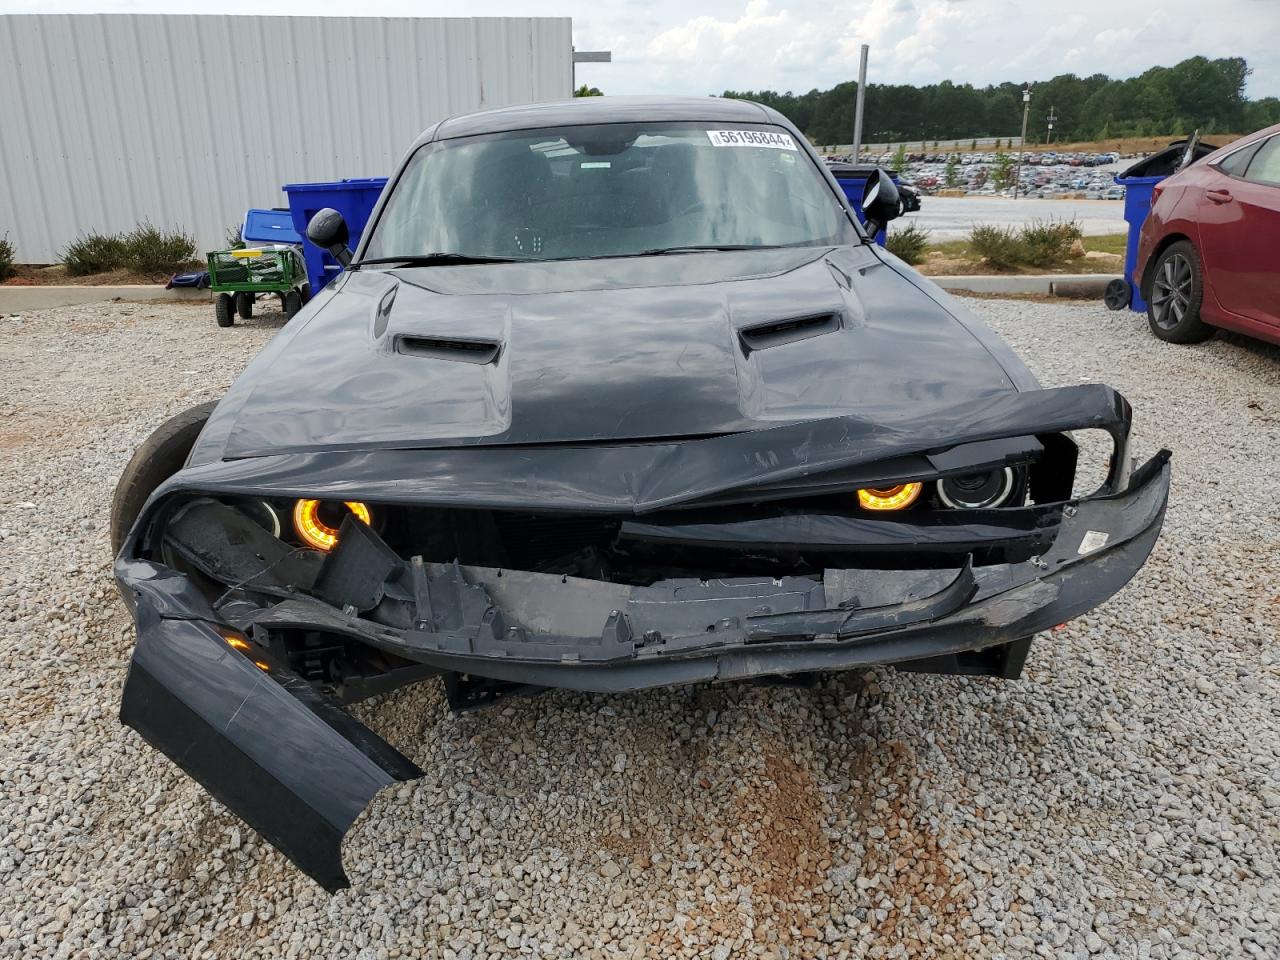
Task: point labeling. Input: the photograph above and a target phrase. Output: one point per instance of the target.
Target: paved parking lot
(951, 218)
(1122, 800)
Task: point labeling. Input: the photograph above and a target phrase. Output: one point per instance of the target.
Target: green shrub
(1001, 247)
(6, 257)
(148, 249)
(1047, 243)
(235, 238)
(908, 242)
(1041, 243)
(94, 253)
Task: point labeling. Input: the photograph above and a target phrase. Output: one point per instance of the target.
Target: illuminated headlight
(897, 497)
(975, 491)
(317, 521)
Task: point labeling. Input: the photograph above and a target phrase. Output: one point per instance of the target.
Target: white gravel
(1121, 800)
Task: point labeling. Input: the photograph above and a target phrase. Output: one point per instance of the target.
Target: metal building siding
(108, 120)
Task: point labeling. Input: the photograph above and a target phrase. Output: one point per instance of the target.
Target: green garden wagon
(239, 277)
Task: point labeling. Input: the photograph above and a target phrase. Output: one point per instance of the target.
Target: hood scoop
(775, 333)
(461, 349)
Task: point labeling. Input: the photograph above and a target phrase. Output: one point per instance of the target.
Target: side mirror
(328, 231)
(880, 201)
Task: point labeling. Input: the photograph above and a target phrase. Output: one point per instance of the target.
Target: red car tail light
(1155, 193)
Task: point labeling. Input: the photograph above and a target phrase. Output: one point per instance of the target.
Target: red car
(1209, 253)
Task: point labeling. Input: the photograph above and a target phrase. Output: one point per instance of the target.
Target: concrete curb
(15, 299)
(1063, 284)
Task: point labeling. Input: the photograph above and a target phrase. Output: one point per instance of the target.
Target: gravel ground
(1121, 800)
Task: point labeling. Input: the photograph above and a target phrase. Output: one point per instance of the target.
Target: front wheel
(157, 459)
(1177, 290)
(244, 305)
(292, 303)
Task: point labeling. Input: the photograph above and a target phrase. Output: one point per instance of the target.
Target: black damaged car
(614, 394)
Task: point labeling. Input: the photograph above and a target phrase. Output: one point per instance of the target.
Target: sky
(708, 46)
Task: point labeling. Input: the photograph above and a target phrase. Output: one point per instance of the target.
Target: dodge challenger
(612, 394)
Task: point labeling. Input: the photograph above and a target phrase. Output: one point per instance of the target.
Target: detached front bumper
(298, 769)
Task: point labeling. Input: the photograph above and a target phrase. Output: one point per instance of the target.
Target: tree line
(1197, 93)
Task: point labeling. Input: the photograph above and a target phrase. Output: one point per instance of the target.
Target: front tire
(292, 303)
(244, 305)
(224, 310)
(1177, 291)
(159, 457)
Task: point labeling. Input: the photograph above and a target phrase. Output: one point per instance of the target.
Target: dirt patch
(17, 438)
(29, 275)
(1125, 145)
(791, 844)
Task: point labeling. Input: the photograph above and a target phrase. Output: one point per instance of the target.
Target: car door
(1239, 220)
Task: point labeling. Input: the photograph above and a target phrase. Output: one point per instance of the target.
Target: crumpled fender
(290, 764)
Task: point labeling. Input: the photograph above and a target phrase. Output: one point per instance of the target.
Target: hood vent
(777, 332)
(462, 349)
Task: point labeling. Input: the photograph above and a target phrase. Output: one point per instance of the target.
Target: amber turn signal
(317, 521)
(897, 497)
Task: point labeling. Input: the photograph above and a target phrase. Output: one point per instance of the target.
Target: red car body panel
(1234, 224)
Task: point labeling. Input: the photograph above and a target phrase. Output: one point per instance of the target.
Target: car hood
(626, 349)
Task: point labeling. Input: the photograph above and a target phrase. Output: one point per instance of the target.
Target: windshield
(608, 190)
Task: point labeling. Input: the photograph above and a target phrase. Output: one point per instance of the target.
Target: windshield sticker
(751, 138)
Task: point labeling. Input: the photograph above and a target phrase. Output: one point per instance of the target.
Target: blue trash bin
(1137, 204)
(354, 199)
(269, 226)
(852, 178)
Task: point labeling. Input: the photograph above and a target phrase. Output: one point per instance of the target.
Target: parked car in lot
(1209, 251)
(612, 394)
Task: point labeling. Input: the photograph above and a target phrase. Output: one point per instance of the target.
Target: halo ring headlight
(977, 491)
(319, 532)
(897, 497)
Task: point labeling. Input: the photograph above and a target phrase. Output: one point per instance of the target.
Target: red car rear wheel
(1177, 290)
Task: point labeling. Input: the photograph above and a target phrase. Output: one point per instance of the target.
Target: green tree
(950, 173)
(899, 161)
(585, 91)
(1196, 92)
(1003, 173)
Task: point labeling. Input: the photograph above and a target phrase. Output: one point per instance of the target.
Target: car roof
(587, 110)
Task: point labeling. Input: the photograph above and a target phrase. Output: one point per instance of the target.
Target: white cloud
(705, 46)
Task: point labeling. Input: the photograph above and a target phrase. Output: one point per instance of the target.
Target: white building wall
(108, 120)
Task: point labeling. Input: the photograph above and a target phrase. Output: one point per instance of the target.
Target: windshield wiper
(437, 259)
(700, 248)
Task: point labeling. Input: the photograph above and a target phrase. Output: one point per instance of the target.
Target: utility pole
(857, 113)
(1052, 117)
(1026, 107)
